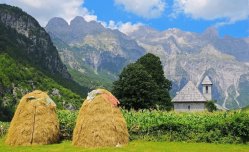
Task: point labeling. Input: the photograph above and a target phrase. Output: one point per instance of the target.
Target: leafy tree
(146, 80)
(211, 106)
(154, 67)
(135, 88)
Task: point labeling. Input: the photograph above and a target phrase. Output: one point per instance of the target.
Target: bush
(4, 128)
(217, 127)
(67, 121)
(210, 105)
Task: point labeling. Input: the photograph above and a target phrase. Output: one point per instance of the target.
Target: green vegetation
(18, 47)
(138, 146)
(135, 88)
(31, 62)
(160, 131)
(245, 109)
(67, 120)
(17, 79)
(142, 85)
(3, 128)
(92, 80)
(154, 67)
(211, 106)
(216, 127)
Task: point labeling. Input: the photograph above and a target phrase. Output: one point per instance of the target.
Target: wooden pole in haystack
(35, 121)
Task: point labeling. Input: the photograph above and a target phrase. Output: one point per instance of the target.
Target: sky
(230, 17)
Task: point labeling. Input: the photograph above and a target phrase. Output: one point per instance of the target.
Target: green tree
(143, 85)
(154, 67)
(211, 106)
(135, 88)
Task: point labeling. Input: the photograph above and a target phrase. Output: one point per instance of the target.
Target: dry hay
(100, 122)
(35, 121)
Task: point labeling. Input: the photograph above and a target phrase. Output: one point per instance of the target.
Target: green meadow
(135, 146)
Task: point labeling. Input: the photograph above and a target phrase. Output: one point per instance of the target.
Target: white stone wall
(207, 95)
(189, 106)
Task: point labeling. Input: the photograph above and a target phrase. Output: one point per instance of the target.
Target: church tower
(207, 88)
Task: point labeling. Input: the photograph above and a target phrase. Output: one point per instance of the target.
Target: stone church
(191, 99)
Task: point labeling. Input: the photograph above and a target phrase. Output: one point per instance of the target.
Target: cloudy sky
(231, 17)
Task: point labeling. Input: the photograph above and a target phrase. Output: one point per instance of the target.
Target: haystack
(35, 121)
(100, 122)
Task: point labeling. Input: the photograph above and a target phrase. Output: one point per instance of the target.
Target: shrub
(67, 120)
(211, 106)
(4, 128)
(216, 127)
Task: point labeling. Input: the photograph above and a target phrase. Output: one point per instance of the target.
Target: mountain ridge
(184, 55)
(93, 48)
(41, 48)
(29, 61)
(191, 56)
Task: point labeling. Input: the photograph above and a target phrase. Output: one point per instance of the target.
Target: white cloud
(144, 8)
(43, 10)
(89, 18)
(229, 10)
(126, 28)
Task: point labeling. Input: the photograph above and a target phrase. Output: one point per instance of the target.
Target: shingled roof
(189, 93)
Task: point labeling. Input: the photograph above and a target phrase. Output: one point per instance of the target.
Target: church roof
(206, 80)
(189, 93)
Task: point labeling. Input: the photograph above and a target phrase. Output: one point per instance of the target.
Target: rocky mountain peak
(185, 56)
(36, 47)
(80, 24)
(211, 33)
(78, 21)
(57, 22)
(15, 18)
(75, 32)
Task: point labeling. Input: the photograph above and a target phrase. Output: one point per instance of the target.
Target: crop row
(217, 127)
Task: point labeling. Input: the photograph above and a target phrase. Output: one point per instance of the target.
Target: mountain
(190, 56)
(91, 50)
(36, 43)
(28, 61)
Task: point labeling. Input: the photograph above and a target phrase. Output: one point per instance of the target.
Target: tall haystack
(100, 122)
(35, 121)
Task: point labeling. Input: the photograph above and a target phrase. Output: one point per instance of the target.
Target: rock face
(191, 56)
(36, 43)
(185, 55)
(28, 61)
(89, 44)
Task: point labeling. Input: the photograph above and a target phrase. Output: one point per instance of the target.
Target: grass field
(134, 146)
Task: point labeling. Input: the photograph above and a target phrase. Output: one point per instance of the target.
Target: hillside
(91, 50)
(17, 79)
(28, 61)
